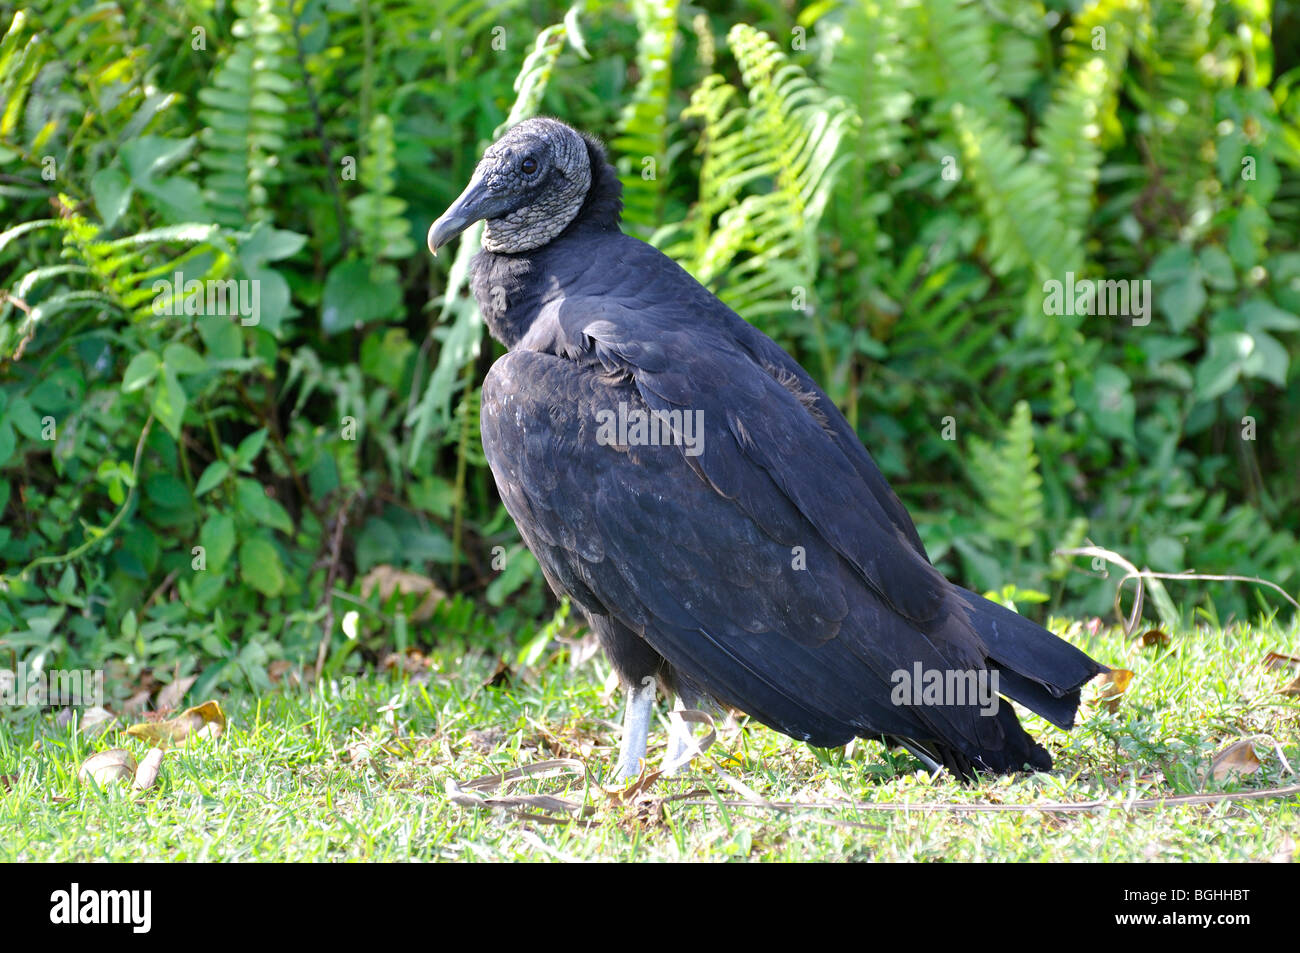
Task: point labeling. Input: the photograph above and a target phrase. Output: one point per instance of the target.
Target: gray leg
(678, 740)
(636, 729)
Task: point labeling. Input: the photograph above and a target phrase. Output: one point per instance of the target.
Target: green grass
(360, 772)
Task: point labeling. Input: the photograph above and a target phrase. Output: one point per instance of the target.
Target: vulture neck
(511, 289)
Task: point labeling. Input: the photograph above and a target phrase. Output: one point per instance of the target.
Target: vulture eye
(528, 166)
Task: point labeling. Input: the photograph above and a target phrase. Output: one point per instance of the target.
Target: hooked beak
(476, 203)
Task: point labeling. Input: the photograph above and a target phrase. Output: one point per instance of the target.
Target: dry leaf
(1293, 689)
(169, 699)
(284, 669)
(1238, 758)
(1113, 685)
(412, 662)
(390, 579)
(202, 721)
(147, 773)
(135, 704)
(116, 764)
(1278, 660)
(95, 721)
(1154, 637)
(7, 781)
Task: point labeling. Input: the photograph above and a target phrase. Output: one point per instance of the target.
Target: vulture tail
(1042, 672)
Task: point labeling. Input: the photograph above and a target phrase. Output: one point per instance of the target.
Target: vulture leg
(636, 728)
(919, 754)
(679, 741)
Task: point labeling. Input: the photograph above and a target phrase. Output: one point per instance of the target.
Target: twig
(162, 587)
(1132, 572)
(1047, 807)
(336, 544)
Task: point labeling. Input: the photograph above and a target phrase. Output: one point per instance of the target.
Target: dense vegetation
(897, 192)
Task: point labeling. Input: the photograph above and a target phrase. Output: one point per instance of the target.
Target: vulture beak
(477, 202)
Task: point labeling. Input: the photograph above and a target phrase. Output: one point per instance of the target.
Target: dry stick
(336, 544)
(1050, 807)
(162, 587)
(1132, 572)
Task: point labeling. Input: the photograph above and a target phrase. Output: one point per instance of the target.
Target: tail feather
(1036, 668)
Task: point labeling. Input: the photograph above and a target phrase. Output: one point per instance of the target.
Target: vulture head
(530, 184)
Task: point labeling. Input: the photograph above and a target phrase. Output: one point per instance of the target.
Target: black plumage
(768, 566)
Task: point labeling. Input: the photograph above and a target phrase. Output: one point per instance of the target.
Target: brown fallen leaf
(202, 721)
(1293, 689)
(1113, 685)
(136, 704)
(390, 579)
(1238, 758)
(412, 662)
(289, 672)
(1278, 660)
(147, 773)
(7, 781)
(115, 764)
(169, 699)
(95, 721)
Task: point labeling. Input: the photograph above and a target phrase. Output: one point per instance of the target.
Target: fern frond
(377, 214)
(1082, 113)
(784, 145)
(245, 117)
(1007, 479)
(643, 126)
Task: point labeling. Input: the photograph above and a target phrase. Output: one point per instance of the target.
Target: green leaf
(169, 402)
(216, 471)
(112, 193)
(142, 369)
(1183, 299)
(218, 540)
(183, 359)
(1107, 398)
(249, 448)
(1222, 364)
(356, 295)
(221, 337)
(260, 566)
(253, 501)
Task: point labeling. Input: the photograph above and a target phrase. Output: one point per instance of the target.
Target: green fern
(246, 130)
(643, 126)
(767, 172)
(1007, 479)
(377, 214)
(1082, 113)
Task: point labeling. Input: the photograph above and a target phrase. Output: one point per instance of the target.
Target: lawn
(379, 767)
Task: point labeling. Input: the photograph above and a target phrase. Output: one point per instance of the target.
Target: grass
(360, 771)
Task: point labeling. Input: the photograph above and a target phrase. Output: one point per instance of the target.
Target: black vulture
(689, 486)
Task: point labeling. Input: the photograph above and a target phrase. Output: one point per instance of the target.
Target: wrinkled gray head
(529, 185)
